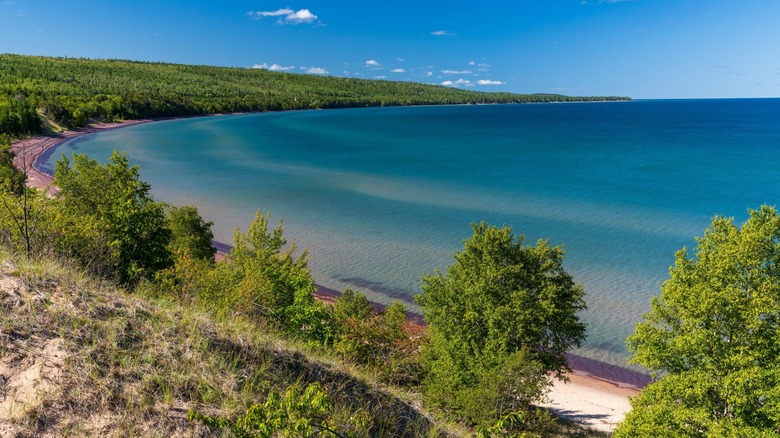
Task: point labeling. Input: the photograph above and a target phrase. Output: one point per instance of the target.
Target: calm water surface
(381, 196)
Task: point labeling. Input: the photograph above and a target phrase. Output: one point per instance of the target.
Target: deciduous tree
(714, 334)
(498, 298)
(110, 221)
(191, 235)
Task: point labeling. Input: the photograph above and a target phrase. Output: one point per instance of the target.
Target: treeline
(74, 92)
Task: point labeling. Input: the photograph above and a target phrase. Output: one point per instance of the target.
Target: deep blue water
(381, 196)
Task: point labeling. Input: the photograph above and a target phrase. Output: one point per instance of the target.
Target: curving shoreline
(597, 394)
(28, 151)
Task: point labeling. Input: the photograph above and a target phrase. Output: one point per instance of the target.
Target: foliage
(12, 179)
(498, 298)
(713, 333)
(531, 422)
(22, 209)
(18, 116)
(381, 339)
(109, 220)
(262, 279)
(74, 92)
(352, 305)
(506, 389)
(297, 412)
(135, 362)
(185, 280)
(27, 221)
(190, 234)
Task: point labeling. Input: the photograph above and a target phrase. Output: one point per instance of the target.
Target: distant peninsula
(40, 94)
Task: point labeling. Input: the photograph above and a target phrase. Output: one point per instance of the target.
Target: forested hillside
(72, 92)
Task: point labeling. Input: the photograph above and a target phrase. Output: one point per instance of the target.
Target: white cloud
(400, 59)
(302, 16)
(443, 33)
(273, 67)
(276, 13)
(458, 83)
(287, 16)
(472, 63)
(489, 82)
(428, 73)
(372, 63)
(483, 65)
(456, 72)
(398, 70)
(314, 70)
(380, 77)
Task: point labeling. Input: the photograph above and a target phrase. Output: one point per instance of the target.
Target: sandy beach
(597, 394)
(28, 150)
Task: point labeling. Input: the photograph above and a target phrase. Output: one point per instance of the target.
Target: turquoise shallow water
(381, 196)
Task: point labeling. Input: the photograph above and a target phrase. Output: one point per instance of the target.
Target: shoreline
(597, 394)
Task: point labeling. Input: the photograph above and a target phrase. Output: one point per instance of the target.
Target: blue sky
(639, 48)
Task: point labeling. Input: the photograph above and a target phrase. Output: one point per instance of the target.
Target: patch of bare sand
(595, 403)
(30, 368)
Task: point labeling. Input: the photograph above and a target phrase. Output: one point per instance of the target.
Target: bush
(261, 279)
(109, 221)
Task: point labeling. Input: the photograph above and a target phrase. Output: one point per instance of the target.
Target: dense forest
(73, 92)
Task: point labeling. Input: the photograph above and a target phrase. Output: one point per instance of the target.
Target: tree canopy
(714, 335)
(191, 236)
(501, 305)
(74, 92)
(110, 219)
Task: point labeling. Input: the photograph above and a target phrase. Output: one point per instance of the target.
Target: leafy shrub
(261, 279)
(297, 412)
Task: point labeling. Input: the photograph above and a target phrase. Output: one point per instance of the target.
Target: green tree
(262, 278)
(498, 298)
(22, 207)
(27, 221)
(110, 221)
(11, 178)
(190, 234)
(352, 304)
(713, 334)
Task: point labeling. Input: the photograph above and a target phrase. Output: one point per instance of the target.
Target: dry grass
(129, 366)
(81, 357)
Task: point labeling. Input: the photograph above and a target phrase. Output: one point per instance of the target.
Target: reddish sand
(28, 150)
(597, 394)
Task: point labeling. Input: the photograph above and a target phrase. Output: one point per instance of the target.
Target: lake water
(381, 196)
